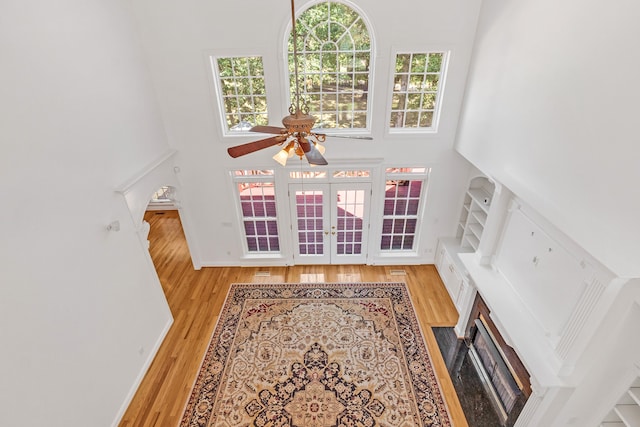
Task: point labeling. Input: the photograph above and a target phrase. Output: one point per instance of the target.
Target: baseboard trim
(143, 372)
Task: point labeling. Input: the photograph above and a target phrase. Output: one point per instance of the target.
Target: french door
(330, 222)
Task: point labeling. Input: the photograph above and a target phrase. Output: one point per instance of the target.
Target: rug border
(204, 356)
(426, 346)
(278, 284)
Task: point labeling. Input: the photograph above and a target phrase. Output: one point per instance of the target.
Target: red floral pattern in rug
(316, 355)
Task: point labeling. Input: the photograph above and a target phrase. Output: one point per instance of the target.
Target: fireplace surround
(504, 377)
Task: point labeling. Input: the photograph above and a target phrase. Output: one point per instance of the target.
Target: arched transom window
(334, 59)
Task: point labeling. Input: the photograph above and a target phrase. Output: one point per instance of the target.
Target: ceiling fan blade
(268, 129)
(250, 147)
(330, 135)
(314, 157)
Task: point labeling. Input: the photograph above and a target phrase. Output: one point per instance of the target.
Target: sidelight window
(404, 189)
(256, 196)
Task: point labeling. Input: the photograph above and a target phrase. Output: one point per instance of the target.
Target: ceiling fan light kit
(286, 153)
(298, 126)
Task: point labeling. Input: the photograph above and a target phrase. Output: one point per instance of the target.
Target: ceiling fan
(298, 132)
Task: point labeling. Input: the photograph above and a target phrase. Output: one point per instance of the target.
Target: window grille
(334, 57)
(256, 195)
(242, 92)
(417, 88)
(309, 211)
(402, 203)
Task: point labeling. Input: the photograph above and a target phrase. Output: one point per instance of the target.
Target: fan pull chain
(304, 196)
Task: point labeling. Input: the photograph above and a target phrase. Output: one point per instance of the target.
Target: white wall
(548, 113)
(78, 304)
(178, 36)
(551, 112)
(609, 364)
(546, 275)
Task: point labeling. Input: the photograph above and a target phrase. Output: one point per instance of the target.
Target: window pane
(411, 119)
(350, 215)
(308, 175)
(426, 119)
(259, 216)
(351, 174)
(415, 92)
(418, 64)
(334, 56)
(310, 222)
(400, 212)
(249, 228)
(415, 187)
(414, 101)
(397, 120)
(241, 90)
(435, 63)
(393, 171)
(431, 82)
(224, 67)
(247, 172)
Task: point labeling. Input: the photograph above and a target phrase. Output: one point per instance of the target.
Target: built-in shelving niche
(475, 209)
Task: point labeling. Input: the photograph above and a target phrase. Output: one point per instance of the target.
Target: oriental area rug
(317, 355)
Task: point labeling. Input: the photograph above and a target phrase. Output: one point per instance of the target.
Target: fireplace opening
(504, 377)
(494, 372)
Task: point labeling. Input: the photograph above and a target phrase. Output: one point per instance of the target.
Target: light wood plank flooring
(196, 297)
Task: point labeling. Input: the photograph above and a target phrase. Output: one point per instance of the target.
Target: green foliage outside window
(415, 90)
(243, 92)
(334, 54)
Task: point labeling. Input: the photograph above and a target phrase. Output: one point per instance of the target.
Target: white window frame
(401, 176)
(371, 77)
(217, 88)
(439, 95)
(257, 178)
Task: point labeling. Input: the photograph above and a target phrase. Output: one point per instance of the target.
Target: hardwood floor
(196, 297)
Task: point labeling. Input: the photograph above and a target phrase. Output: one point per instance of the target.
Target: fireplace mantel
(516, 324)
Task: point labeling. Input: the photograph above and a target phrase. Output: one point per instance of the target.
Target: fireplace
(504, 377)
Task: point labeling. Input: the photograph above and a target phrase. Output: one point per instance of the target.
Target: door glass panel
(350, 210)
(310, 222)
(330, 223)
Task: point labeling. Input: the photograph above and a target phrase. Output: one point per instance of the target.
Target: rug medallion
(316, 355)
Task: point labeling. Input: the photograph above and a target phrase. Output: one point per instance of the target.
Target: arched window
(334, 63)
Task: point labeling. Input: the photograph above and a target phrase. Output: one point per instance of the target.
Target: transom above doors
(331, 175)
